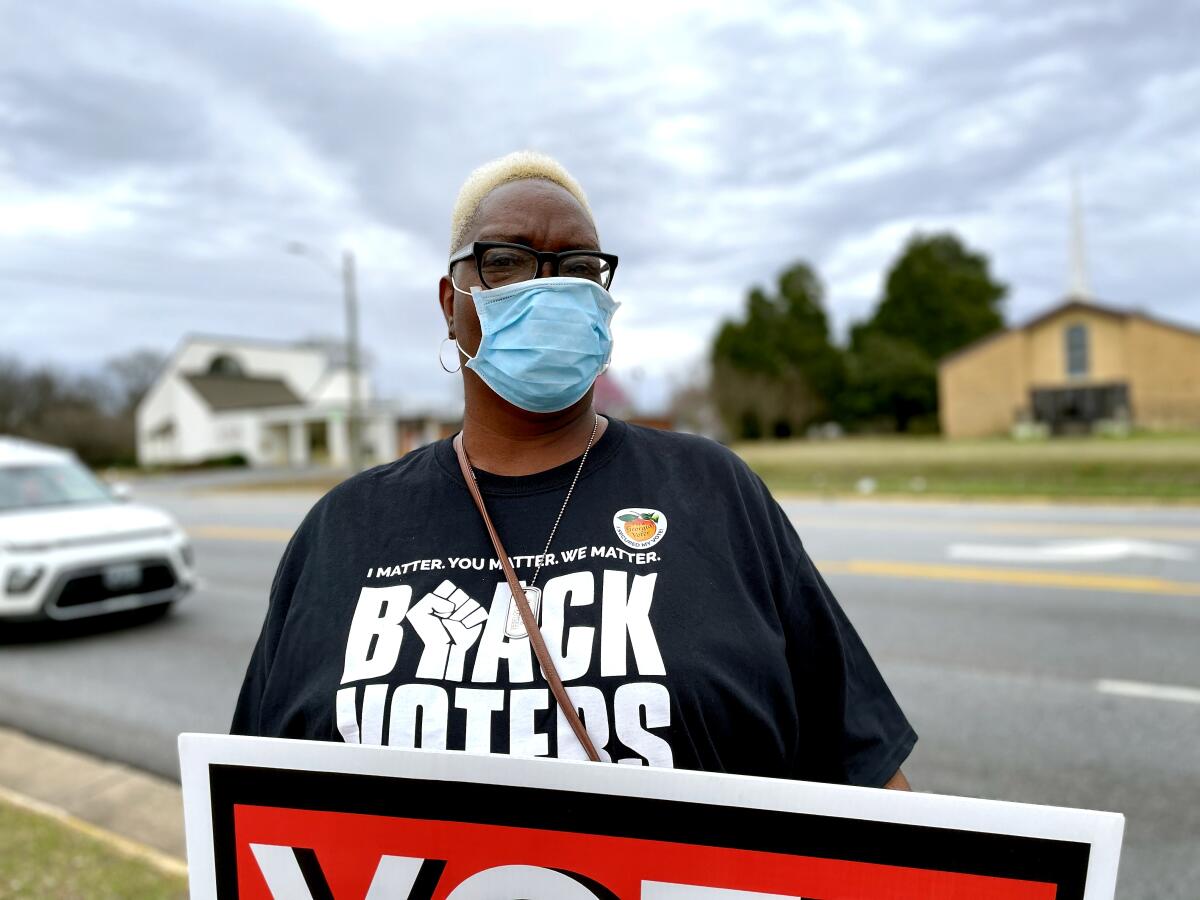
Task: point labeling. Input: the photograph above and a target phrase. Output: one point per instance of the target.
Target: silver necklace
(566, 500)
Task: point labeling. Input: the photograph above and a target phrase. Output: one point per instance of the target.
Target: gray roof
(224, 392)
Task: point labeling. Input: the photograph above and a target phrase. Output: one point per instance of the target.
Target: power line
(175, 258)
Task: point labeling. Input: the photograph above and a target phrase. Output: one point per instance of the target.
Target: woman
(679, 607)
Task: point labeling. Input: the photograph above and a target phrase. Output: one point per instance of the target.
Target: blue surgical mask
(544, 341)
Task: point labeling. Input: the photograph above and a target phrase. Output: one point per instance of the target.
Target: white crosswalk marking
(1148, 691)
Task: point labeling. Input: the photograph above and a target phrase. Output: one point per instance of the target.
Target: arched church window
(224, 364)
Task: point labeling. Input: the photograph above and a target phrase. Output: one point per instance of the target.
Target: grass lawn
(40, 858)
(1151, 468)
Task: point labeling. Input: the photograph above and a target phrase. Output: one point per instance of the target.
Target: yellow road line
(1113, 530)
(164, 862)
(1130, 584)
(240, 533)
(258, 533)
(1134, 584)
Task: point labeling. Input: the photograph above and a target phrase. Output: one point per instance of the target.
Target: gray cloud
(154, 158)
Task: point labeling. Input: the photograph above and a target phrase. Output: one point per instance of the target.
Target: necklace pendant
(514, 627)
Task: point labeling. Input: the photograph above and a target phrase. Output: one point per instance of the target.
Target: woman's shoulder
(707, 470)
(400, 477)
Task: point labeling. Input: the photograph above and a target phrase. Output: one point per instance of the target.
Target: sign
(314, 820)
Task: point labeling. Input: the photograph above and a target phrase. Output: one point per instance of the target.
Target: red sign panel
(349, 850)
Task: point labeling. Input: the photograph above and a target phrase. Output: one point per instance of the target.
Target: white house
(274, 403)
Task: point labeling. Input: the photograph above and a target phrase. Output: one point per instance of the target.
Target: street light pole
(350, 290)
(350, 299)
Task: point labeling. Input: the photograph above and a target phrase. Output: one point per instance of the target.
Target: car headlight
(22, 578)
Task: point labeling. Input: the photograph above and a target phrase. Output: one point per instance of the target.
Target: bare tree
(691, 405)
(90, 413)
(11, 384)
(134, 373)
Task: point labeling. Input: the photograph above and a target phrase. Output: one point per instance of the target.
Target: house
(273, 403)
(1071, 367)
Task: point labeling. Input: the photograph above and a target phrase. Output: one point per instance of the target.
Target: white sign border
(1102, 830)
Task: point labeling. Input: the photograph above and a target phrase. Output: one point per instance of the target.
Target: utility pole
(354, 415)
(354, 425)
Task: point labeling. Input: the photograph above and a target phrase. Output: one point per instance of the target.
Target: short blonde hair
(517, 166)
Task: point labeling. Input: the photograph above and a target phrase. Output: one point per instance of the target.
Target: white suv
(72, 547)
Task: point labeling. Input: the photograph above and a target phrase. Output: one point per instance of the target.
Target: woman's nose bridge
(545, 268)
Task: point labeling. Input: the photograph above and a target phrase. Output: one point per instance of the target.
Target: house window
(1077, 350)
(225, 364)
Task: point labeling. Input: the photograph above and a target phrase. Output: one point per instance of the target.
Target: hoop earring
(441, 363)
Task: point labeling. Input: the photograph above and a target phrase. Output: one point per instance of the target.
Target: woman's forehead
(537, 212)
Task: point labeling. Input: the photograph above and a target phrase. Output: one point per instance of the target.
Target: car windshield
(49, 484)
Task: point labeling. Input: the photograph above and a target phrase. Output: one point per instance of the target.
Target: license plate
(122, 577)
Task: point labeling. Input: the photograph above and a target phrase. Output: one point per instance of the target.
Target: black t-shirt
(689, 625)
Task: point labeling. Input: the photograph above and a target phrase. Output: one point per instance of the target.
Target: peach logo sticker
(639, 527)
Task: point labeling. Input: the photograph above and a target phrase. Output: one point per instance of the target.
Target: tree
(691, 407)
(85, 412)
(890, 384)
(134, 373)
(938, 296)
(775, 371)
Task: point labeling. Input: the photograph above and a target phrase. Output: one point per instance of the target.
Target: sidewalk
(138, 814)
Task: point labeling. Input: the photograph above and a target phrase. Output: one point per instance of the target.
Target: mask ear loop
(454, 285)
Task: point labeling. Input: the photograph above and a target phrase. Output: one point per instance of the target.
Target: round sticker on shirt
(639, 528)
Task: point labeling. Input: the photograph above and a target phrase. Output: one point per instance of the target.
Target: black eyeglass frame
(476, 249)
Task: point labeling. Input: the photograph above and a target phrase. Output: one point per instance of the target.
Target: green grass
(40, 858)
(1145, 468)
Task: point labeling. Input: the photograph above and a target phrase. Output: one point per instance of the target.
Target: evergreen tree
(775, 370)
(939, 296)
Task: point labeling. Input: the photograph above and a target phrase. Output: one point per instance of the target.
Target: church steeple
(1079, 281)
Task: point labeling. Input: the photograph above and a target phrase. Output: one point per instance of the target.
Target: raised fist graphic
(449, 623)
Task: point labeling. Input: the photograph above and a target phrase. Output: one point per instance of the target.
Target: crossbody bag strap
(531, 626)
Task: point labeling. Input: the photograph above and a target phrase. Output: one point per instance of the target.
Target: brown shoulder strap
(531, 626)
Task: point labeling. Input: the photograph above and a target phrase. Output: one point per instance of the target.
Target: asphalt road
(1044, 654)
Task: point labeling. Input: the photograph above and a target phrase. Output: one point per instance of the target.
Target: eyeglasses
(500, 263)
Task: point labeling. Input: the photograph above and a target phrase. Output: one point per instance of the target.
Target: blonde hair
(517, 166)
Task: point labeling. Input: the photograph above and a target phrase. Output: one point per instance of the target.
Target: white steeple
(1079, 280)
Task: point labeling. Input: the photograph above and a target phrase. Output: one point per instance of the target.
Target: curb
(136, 814)
(169, 865)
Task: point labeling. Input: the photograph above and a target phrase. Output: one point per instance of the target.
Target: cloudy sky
(156, 157)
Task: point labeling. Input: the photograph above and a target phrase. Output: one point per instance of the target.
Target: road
(1048, 654)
